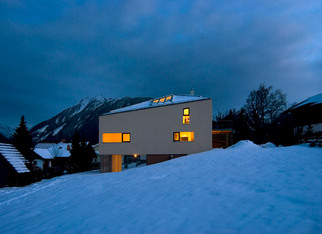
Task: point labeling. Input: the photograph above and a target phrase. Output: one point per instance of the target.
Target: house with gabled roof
(13, 168)
(53, 154)
(44, 158)
(307, 119)
(157, 130)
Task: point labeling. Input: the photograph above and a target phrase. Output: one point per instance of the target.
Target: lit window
(168, 98)
(116, 137)
(126, 137)
(162, 100)
(176, 136)
(186, 116)
(183, 136)
(186, 111)
(186, 119)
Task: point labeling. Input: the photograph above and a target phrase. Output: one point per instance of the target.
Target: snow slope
(244, 189)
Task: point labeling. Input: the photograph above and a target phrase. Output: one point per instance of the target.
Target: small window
(186, 119)
(126, 137)
(176, 136)
(186, 111)
(186, 116)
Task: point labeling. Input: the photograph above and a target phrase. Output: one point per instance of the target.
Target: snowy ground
(246, 188)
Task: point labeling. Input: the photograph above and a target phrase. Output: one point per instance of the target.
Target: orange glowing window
(116, 137)
(162, 99)
(156, 101)
(186, 116)
(168, 98)
(126, 137)
(183, 136)
(186, 120)
(176, 136)
(112, 137)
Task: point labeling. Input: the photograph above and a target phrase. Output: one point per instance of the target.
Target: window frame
(179, 134)
(125, 133)
(186, 117)
(186, 108)
(116, 142)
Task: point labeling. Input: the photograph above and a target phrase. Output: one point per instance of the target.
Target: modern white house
(157, 130)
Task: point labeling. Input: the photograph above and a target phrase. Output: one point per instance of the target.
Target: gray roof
(43, 153)
(14, 157)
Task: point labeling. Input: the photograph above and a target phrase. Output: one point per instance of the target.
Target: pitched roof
(314, 100)
(14, 157)
(162, 101)
(43, 153)
(59, 150)
(44, 145)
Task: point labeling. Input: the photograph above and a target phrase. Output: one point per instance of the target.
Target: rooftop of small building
(14, 157)
(158, 102)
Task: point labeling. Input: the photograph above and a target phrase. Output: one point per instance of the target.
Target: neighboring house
(97, 158)
(44, 158)
(13, 169)
(156, 130)
(60, 152)
(307, 119)
(222, 134)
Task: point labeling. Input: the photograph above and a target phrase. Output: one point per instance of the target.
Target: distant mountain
(6, 133)
(82, 117)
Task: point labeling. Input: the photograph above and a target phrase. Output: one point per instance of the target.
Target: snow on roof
(62, 150)
(317, 99)
(55, 150)
(44, 145)
(44, 153)
(14, 157)
(162, 101)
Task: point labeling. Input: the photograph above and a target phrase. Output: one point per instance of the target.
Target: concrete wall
(152, 129)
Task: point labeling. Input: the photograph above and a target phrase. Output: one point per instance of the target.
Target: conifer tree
(81, 154)
(22, 140)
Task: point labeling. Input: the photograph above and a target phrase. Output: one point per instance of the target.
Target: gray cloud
(54, 53)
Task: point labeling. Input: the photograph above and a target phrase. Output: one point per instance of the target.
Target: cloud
(55, 53)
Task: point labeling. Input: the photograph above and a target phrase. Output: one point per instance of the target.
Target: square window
(186, 111)
(126, 137)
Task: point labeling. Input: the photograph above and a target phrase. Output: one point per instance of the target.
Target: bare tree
(263, 106)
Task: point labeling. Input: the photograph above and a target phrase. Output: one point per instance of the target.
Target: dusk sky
(53, 53)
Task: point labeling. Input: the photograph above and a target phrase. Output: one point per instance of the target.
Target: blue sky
(55, 52)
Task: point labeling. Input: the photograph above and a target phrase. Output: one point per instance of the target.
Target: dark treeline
(262, 119)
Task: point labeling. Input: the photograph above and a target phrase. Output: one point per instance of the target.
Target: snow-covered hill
(82, 117)
(243, 189)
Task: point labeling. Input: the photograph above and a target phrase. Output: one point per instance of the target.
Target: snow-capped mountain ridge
(6, 133)
(82, 117)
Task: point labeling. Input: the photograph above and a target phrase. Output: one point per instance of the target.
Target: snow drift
(245, 188)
